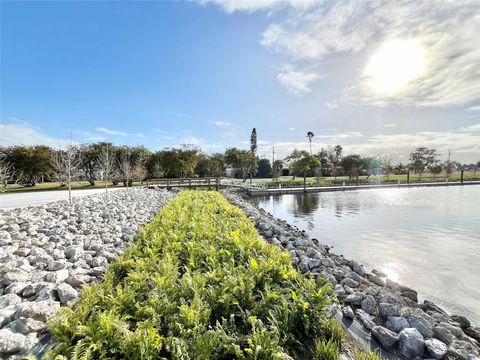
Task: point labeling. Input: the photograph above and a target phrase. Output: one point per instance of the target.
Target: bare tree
(125, 168)
(106, 163)
(7, 173)
(65, 165)
(140, 173)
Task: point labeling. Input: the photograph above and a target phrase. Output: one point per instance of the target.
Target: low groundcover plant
(198, 283)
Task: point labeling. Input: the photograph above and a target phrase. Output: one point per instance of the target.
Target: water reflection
(426, 238)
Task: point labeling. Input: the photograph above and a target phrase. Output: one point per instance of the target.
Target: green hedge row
(198, 283)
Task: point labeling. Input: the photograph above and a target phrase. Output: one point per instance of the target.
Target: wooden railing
(184, 182)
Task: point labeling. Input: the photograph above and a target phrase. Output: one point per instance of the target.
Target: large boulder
(421, 324)
(386, 337)
(411, 343)
(436, 348)
(37, 310)
(66, 293)
(396, 323)
(10, 342)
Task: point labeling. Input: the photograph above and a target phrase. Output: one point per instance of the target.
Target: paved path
(23, 199)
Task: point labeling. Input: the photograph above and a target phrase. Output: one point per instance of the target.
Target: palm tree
(310, 135)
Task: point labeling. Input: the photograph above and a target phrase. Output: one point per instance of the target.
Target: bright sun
(394, 65)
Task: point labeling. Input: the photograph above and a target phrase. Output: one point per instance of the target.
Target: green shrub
(326, 350)
(366, 355)
(198, 283)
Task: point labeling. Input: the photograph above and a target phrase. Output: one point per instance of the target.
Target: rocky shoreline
(389, 312)
(48, 252)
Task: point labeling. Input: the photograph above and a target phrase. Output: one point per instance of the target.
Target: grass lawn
(426, 177)
(48, 186)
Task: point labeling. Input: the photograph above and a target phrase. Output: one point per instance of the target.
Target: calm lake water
(425, 238)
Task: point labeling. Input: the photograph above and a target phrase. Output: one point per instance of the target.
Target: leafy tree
(90, 155)
(253, 141)
(400, 169)
(31, 162)
(301, 162)
(337, 171)
(239, 159)
(277, 168)
(422, 158)
(217, 164)
(436, 169)
(188, 157)
(352, 165)
(264, 169)
(337, 150)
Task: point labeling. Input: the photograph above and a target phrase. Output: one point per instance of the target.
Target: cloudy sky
(378, 77)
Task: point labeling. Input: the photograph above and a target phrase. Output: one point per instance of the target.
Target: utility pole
(273, 162)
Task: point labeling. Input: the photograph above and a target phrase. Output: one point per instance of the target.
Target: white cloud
(474, 108)
(464, 144)
(111, 132)
(231, 6)
(291, 128)
(323, 31)
(140, 135)
(23, 133)
(331, 106)
(222, 124)
(390, 125)
(296, 82)
(159, 131)
(471, 128)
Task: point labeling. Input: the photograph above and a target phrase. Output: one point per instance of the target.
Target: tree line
(28, 165)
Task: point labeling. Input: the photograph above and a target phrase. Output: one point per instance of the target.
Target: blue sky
(206, 73)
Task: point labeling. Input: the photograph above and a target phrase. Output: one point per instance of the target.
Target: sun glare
(394, 65)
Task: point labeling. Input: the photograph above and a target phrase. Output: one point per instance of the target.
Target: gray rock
(411, 343)
(376, 280)
(78, 280)
(9, 299)
(38, 310)
(66, 293)
(473, 332)
(358, 268)
(461, 320)
(460, 349)
(14, 276)
(436, 348)
(26, 326)
(386, 337)
(10, 342)
(348, 312)
(422, 325)
(355, 298)
(33, 289)
(7, 314)
(365, 319)
(354, 276)
(386, 309)
(314, 264)
(369, 305)
(30, 341)
(442, 333)
(396, 323)
(349, 282)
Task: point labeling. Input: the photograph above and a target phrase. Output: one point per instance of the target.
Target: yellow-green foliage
(198, 283)
(366, 355)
